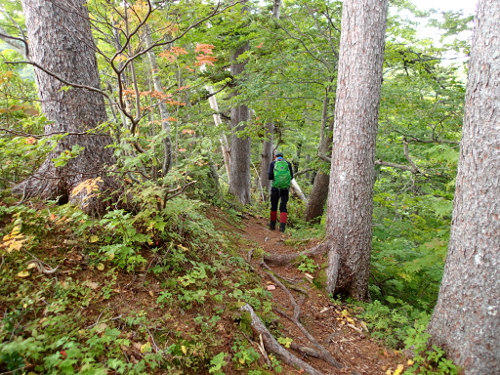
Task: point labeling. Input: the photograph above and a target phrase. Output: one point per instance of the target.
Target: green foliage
(244, 355)
(402, 326)
(65, 156)
(58, 344)
(427, 360)
(285, 341)
(217, 363)
(67, 341)
(20, 155)
(410, 236)
(306, 264)
(391, 321)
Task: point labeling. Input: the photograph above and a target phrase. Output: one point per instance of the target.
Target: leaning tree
(352, 174)
(61, 48)
(466, 319)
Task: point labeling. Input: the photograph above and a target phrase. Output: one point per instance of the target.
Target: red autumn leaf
(175, 102)
(178, 51)
(205, 59)
(205, 48)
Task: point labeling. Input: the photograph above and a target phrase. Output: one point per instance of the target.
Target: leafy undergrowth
(159, 292)
(126, 294)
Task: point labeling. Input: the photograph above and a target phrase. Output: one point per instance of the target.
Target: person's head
(279, 156)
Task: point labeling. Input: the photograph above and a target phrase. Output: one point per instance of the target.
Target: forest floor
(175, 312)
(332, 323)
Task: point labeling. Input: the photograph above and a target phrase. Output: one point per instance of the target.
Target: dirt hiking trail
(331, 324)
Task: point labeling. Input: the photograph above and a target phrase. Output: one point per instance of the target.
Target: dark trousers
(279, 195)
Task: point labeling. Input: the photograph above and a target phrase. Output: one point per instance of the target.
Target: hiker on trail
(281, 172)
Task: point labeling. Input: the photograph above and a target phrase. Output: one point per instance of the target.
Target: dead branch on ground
(323, 354)
(272, 345)
(283, 259)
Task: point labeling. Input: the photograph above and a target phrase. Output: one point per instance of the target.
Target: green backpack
(282, 176)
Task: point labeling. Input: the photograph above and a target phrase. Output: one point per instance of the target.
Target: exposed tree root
(272, 345)
(283, 259)
(322, 352)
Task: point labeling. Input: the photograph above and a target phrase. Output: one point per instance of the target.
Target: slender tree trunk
(267, 144)
(319, 193)
(317, 198)
(266, 159)
(466, 319)
(165, 123)
(240, 145)
(226, 151)
(276, 8)
(349, 217)
(60, 40)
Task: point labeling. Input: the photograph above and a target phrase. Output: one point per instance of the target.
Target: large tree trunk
(349, 217)
(466, 320)
(60, 40)
(240, 145)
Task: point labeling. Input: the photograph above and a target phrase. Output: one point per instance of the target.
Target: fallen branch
(296, 188)
(283, 259)
(272, 345)
(305, 350)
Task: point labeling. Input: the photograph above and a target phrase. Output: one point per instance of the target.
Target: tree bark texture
(266, 159)
(240, 145)
(352, 175)
(466, 319)
(276, 9)
(319, 193)
(60, 40)
(317, 198)
(267, 144)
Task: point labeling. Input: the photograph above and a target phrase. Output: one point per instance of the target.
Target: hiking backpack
(282, 175)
